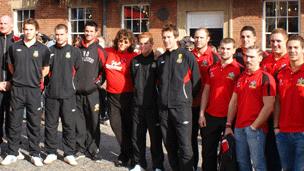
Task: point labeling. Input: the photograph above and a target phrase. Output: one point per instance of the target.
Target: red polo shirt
(221, 81)
(204, 62)
(291, 93)
(117, 68)
(273, 66)
(250, 89)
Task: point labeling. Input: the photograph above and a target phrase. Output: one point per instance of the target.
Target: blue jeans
(250, 146)
(291, 150)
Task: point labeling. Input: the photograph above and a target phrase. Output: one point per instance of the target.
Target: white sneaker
(70, 160)
(137, 168)
(50, 159)
(9, 159)
(20, 156)
(157, 169)
(37, 161)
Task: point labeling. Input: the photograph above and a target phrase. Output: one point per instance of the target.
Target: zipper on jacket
(184, 89)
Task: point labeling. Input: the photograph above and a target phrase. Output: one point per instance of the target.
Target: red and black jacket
(90, 74)
(5, 42)
(178, 78)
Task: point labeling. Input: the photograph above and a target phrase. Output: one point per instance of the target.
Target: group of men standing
(173, 96)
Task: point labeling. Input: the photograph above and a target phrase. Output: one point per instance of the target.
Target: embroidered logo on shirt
(231, 76)
(18, 50)
(300, 82)
(68, 55)
(35, 54)
(252, 84)
(114, 65)
(136, 65)
(204, 62)
(211, 74)
(179, 58)
(96, 107)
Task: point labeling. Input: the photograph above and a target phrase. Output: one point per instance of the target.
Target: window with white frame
(78, 17)
(136, 17)
(20, 17)
(281, 14)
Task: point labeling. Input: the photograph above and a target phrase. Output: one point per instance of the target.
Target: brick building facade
(224, 18)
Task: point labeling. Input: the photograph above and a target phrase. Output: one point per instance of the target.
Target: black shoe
(79, 155)
(97, 157)
(120, 163)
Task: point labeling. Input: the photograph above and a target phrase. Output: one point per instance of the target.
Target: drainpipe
(104, 18)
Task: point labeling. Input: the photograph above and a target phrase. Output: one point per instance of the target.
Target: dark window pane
(270, 8)
(80, 13)
(74, 13)
(80, 26)
(144, 25)
(282, 8)
(19, 16)
(128, 24)
(26, 14)
(89, 14)
(270, 24)
(136, 12)
(293, 24)
(282, 23)
(32, 14)
(136, 26)
(74, 26)
(145, 12)
(293, 8)
(268, 41)
(127, 12)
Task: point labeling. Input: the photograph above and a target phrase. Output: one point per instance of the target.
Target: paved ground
(110, 150)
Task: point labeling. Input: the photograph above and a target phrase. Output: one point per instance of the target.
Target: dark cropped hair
(297, 38)
(32, 22)
(124, 34)
(171, 27)
(249, 28)
(92, 24)
(61, 26)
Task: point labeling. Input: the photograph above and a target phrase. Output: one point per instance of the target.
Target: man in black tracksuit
(179, 78)
(7, 38)
(88, 78)
(61, 97)
(145, 113)
(28, 61)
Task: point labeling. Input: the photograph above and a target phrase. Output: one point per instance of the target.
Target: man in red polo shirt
(215, 99)
(251, 103)
(273, 63)
(205, 58)
(288, 113)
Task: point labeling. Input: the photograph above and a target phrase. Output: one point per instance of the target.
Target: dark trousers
(120, 110)
(29, 98)
(271, 150)
(195, 131)
(176, 127)
(87, 123)
(4, 111)
(143, 119)
(211, 136)
(66, 109)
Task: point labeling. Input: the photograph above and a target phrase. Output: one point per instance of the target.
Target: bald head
(6, 24)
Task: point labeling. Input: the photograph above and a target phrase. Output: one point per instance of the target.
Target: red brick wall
(5, 8)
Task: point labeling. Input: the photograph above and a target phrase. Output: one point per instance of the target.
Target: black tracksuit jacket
(143, 74)
(178, 78)
(64, 62)
(5, 42)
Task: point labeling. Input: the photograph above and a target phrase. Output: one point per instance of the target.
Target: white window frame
(140, 19)
(71, 20)
(16, 21)
(264, 41)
